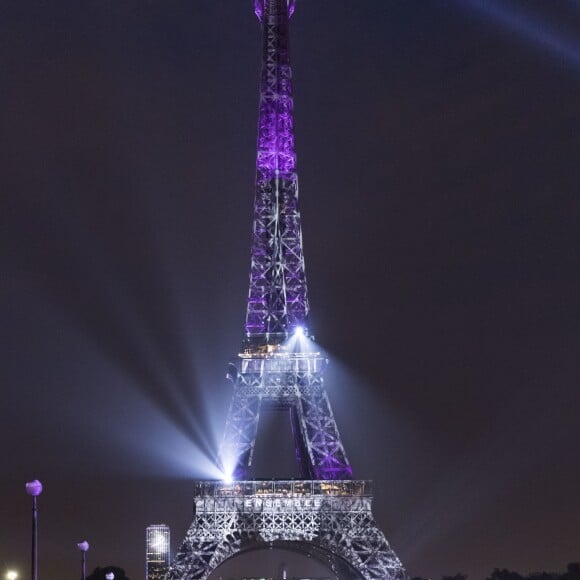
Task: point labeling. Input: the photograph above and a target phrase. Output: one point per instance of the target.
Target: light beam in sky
(530, 27)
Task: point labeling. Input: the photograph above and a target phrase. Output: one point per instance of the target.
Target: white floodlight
(11, 575)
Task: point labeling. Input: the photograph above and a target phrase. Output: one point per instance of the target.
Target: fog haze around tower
(437, 150)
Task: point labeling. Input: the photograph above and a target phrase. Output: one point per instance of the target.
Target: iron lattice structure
(277, 300)
(331, 521)
(284, 380)
(326, 514)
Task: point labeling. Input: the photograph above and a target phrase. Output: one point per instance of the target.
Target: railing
(283, 488)
(306, 363)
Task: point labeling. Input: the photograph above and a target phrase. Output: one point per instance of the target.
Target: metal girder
(333, 518)
(287, 381)
(277, 298)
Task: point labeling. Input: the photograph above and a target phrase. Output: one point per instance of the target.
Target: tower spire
(259, 7)
(277, 299)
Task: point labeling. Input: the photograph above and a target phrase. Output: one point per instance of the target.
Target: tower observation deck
(326, 514)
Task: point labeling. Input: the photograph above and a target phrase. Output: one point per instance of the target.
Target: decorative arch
(338, 565)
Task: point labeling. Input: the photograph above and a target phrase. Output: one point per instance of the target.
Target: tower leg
(327, 455)
(240, 436)
(300, 447)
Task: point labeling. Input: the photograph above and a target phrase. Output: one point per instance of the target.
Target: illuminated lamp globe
(83, 546)
(34, 488)
(110, 576)
(11, 575)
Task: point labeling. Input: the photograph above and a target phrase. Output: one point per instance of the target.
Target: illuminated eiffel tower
(326, 514)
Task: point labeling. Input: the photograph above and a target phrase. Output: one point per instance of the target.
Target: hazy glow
(34, 488)
(531, 28)
(228, 468)
(156, 440)
(180, 454)
(160, 543)
(11, 575)
(215, 395)
(300, 343)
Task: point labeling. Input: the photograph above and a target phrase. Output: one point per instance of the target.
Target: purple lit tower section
(276, 367)
(277, 301)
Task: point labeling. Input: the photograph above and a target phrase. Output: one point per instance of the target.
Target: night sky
(438, 150)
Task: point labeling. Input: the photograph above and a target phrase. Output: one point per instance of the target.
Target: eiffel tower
(326, 514)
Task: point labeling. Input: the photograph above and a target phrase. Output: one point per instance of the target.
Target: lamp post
(84, 548)
(34, 489)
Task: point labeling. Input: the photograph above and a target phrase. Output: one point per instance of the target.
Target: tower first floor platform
(330, 520)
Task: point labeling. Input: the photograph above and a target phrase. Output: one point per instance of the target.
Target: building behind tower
(157, 552)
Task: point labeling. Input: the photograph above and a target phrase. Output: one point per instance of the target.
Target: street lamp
(11, 575)
(34, 489)
(83, 547)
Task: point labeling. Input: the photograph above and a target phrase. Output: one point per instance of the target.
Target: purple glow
(34, 488)
(290, 376)
(277, 300)
(259, 7)
(332, 468)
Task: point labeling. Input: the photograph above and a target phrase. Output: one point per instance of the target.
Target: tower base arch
(330, 520)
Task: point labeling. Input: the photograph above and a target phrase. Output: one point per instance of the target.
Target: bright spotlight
(299, 331)
(11, 575)
(227, 468)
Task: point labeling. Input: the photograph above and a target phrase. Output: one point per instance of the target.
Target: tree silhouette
(100, 573)
(573, 572)
(505, 574)
(456, 577)
(544, 576)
